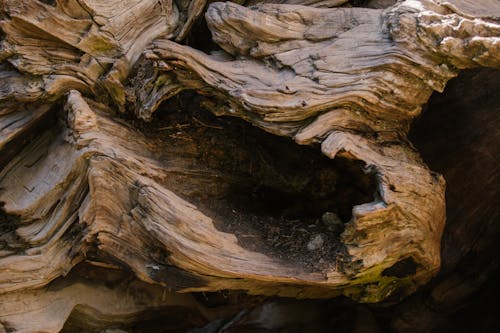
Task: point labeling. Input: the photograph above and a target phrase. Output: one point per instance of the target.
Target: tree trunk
(170, 165)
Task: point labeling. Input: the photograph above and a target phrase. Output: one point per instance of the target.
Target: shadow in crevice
(457, 135)
(275, 196)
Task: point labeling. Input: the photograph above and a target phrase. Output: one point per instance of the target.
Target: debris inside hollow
(273, 195)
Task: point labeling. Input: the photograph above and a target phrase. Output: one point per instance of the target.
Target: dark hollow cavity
(401, 269)
(285, 200)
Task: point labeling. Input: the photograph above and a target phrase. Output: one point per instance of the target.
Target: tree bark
(142, 167)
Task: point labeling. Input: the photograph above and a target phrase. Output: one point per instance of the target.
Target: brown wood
(188, 202)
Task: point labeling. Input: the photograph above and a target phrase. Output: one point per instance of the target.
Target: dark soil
(268, 191)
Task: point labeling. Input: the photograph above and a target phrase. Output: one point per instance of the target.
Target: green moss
(373, 287)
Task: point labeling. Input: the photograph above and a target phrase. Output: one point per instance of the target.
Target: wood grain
(82, 183)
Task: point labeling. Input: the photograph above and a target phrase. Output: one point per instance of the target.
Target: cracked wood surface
(79, 184)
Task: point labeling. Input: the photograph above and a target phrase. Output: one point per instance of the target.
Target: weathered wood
(85, 45)
(367, 72)
(457, 136)
(299, 62)
(100, 298)
(83, 183)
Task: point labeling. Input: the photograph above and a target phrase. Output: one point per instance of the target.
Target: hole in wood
(401, 269)
(9, 241)
(278, 198)
(52, 3)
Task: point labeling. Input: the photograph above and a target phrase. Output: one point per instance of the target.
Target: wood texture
(82, 183)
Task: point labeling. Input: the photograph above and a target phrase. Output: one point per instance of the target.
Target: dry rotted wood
(81, 183)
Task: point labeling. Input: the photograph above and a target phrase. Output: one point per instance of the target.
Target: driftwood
(191, 203)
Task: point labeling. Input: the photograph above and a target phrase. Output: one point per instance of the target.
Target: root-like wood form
(84, 183)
